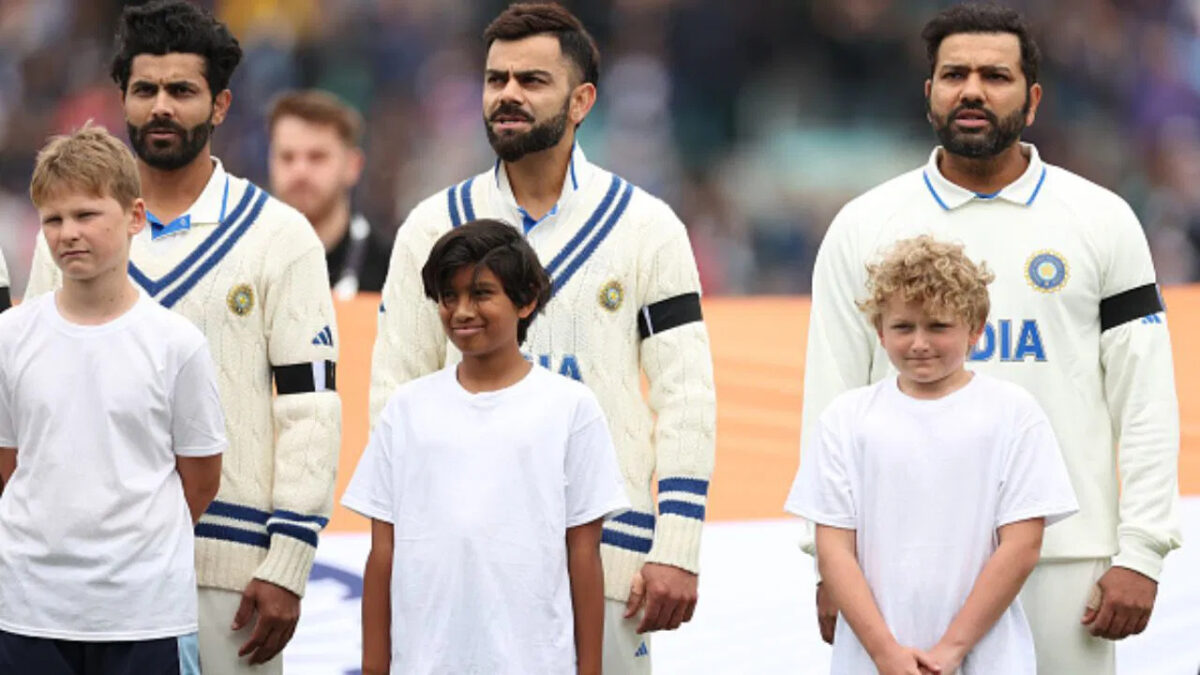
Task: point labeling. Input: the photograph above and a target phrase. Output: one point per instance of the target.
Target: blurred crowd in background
(756, 120)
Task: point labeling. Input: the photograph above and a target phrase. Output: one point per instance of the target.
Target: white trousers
(625, 652)
(1054, 598)
(219, 645)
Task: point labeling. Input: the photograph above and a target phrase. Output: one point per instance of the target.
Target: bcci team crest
(611, 295)
(1047, 271)
(240, 299)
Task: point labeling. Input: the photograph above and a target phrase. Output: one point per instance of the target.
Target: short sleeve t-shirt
(95, 534)
(925, 484)
(480, 489)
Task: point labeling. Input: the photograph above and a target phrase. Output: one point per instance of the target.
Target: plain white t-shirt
(925, 484)
(95, 534)
(480, 489)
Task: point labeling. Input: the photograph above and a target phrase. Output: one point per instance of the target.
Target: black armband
(303, 378)
(667, 314)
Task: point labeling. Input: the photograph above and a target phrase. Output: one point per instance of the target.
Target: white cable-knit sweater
(256, 285)
(614, 253)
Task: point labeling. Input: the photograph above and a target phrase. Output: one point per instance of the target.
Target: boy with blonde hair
(111, 436)
(930, 490)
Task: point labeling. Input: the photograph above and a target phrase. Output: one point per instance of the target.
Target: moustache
(976, 107)
(163, 125)
(510, 110)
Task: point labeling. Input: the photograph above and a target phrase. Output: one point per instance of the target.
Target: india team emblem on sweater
(1047, 271)
(611, 295)
(240, 299)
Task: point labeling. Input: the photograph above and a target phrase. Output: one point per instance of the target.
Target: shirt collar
(209, 207)
(579, 171)
(1023, 191)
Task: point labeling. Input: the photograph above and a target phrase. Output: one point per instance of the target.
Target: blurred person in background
(315, 161)
(625, 301)
(5, 293)
(249, 271)
(1076, 319)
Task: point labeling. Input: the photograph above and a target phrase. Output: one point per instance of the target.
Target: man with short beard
(625, 301)
(249, 271)
(1076, 319)
(315, 162)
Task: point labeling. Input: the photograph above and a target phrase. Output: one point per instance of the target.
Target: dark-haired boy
(248, 270)
(473, 477)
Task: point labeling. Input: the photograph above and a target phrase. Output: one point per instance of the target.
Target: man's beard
(543, 136)
(985, 143)
(169, 157)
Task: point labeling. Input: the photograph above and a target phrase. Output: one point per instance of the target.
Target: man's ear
(221, 106)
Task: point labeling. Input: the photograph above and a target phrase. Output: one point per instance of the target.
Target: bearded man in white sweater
(1076, 319)
(626, 301)
(248, 270)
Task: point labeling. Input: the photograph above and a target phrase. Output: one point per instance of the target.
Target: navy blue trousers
(22, 655)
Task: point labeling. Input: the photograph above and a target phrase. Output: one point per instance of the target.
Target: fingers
(257, 638)
(675, 618)
(653, 617)
(244, 612)
(1102, 622)
(1141, 624)
(826, 614)
(690, 610)
(272, 645)
(926, 662)
(637, 596)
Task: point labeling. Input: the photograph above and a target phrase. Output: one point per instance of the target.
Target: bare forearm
(8, 465)
(377, 614)
(994, 591)
(843, 577)
(201, 478)
(587, 595)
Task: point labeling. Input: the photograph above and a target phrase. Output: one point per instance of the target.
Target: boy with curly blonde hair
(930, 490)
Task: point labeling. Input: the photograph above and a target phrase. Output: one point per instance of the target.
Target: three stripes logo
(642, 650)
(325, 337)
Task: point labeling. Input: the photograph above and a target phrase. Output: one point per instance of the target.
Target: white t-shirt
(481, 489)
(925, 484)
(95, 534)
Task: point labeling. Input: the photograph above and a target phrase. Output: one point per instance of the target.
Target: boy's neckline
(491, 388)
(972, 377)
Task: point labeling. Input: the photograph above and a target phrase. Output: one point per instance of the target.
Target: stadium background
(756, 120)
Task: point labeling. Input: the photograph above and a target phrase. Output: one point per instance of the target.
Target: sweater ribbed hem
(677, 542)
(227, 565)
(1140, 556)
(619, 567)
(287, 564)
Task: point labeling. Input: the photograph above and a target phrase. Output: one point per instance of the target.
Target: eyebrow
(171, 83)
(493, 72)
(989, 68)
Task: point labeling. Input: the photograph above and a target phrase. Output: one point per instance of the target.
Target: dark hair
(318, 107)
(974, 17)
(176, 26)
(500, 248)
(524, 19)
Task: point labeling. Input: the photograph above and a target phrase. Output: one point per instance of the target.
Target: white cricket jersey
(626, 300)
(1076, 319)
(249, 271)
